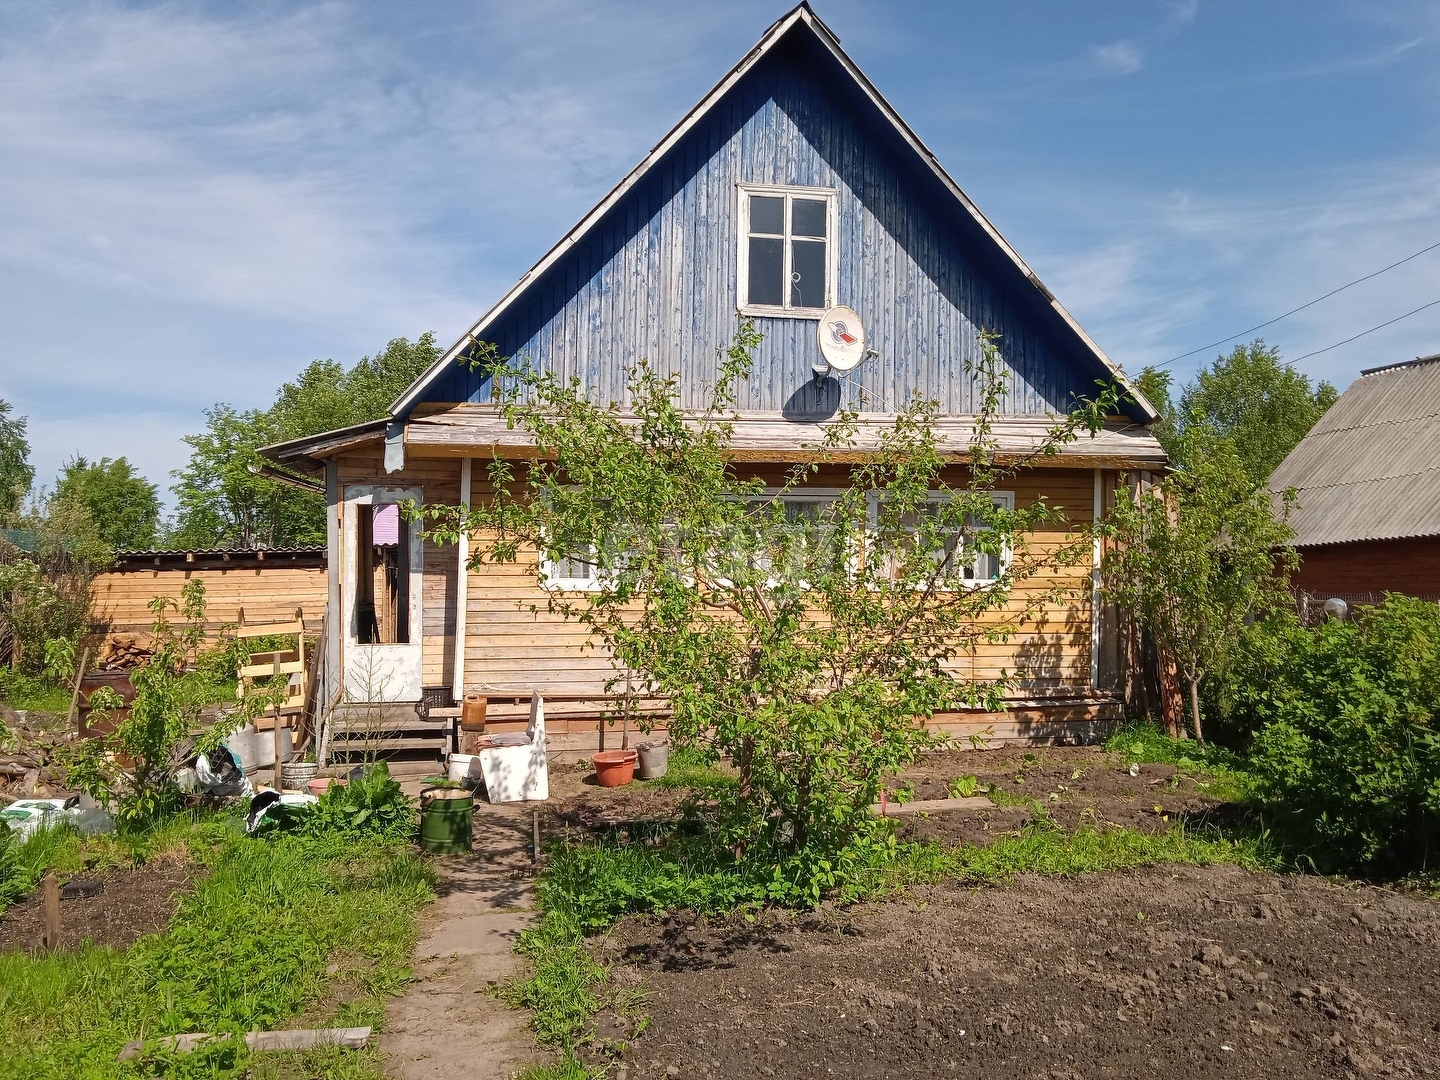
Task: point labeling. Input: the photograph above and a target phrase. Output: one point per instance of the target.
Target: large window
(787, 251)
(964, 547)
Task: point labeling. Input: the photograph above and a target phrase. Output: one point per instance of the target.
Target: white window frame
(742, 244)
(1003, 499)
(823, 496)
(552, 581)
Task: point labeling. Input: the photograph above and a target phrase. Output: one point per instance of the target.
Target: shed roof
(1370, 469)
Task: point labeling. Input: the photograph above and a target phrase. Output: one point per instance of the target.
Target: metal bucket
(445, 820)
(654, 761)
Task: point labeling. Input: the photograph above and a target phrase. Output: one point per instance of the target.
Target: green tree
(1264, 406)
(222, 501)
(45, 595)
(16, 472)
(803, 640)
(1198, 554)
(124, 506)
(1155, 383)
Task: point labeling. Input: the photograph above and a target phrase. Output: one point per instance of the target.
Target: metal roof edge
(802, 13)
(305, 445)
(1419, 360)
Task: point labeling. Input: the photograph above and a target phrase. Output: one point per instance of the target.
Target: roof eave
(307, 453)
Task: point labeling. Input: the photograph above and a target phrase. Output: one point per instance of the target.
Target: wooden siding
(250, 594)
(1376, 566)
(657, 278)
(512, 641)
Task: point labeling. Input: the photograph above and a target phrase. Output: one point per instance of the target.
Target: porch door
(382, 595)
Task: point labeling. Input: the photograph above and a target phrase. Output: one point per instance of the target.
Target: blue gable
(655, 276)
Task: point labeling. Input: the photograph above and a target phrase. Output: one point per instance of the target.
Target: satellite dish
(842, 339)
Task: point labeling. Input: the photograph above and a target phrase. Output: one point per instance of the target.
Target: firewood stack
(122, 652)
(32, 763)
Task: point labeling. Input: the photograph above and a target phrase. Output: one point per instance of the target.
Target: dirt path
(447, 1024)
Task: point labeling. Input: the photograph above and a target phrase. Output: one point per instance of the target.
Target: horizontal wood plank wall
(439, 482)
(513, 642)
(1409, 566)
(264, 594)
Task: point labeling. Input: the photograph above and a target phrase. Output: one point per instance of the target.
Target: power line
(1302, 307)
(1362, 333)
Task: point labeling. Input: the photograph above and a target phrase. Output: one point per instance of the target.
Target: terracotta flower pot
(614, 768)
(322, 784)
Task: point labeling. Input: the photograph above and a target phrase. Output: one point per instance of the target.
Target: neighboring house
(1368, 482)
(791, 187)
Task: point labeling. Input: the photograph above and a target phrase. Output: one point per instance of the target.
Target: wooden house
(1368, 481)
(791, 187)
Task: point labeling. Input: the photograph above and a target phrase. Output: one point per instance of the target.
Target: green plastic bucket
(445, 820)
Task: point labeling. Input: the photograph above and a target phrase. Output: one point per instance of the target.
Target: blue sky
(196, 200)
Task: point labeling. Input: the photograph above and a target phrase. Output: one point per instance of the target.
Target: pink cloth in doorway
(386, 530)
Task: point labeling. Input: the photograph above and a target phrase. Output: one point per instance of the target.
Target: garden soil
(131, 902)
(1176, 972)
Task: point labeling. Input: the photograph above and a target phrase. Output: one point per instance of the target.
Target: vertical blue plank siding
(657, 278)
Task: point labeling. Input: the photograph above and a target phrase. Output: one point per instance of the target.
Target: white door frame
(381, 672)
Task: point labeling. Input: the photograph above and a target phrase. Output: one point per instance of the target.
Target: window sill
(765, 311)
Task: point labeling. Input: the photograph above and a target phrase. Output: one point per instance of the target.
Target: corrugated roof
(1370, 469)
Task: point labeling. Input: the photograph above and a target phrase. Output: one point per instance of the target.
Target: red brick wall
(1404, 566)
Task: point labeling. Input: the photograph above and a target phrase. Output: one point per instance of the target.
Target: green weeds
(276, 926)
(1219, 772)
(691, 770)
(1044, 848)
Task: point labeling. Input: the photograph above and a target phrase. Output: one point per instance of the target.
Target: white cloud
(1117, 58)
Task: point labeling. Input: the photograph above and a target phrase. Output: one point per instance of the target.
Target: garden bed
(1074, 785)
(132, 902)
(1186, 972)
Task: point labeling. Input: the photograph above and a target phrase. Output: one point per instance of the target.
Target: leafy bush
(372, 806)
(808, 650)
(45, 593)
(1348, 739)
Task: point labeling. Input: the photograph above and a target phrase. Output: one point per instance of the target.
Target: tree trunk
(1195, 710)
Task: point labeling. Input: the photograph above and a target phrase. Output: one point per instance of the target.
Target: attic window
(787, 261)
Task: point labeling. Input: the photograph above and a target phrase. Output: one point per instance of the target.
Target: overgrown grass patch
(33, 693)
(691, 770)
(247, 950)
(1044, 848)
(1219, 772)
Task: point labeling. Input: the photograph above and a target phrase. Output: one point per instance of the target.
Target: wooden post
(276, 729)
(73, 718)
(51, 940)
(535, 829)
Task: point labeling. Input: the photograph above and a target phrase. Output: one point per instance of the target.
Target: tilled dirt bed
(1075, 785)
(1167, 972)
(130, 903)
